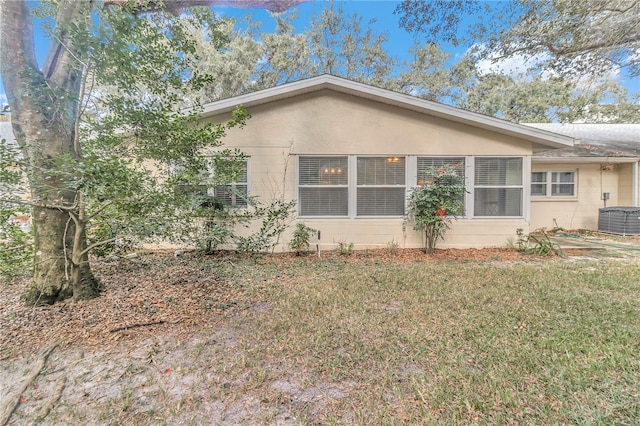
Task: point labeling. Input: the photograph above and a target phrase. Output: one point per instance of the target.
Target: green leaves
(16, 240)
(432, 205)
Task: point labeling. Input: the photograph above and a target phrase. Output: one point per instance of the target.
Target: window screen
(539, 184)
(562, 184)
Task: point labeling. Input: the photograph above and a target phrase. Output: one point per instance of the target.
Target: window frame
(411, 181)
(352, 186)
(359, 186)
(524, 180)
(549, 184)
(300, 186)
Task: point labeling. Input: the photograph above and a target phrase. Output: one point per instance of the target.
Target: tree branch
(176, 6)
(94, 245)
(590, 47)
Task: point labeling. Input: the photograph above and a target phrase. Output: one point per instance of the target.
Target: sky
(399, 41)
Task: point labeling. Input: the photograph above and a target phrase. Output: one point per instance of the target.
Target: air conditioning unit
(619, 220)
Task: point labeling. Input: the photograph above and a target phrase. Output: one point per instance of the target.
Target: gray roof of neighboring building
(597, 141)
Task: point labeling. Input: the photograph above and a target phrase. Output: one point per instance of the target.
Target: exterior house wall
(625, 184)
(332, 123)
(580, 212)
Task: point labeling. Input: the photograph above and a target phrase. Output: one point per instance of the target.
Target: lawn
(371, 338)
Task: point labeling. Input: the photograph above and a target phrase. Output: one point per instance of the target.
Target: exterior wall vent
(619, 220)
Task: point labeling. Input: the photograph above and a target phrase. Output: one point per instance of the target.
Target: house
(350, 153)
(570, 184)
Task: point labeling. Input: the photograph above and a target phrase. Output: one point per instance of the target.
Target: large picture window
(498, 188)
(323, 186)
(553, 184)
(381, 186)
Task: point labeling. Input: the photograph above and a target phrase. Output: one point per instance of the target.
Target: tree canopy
(105, 105)
(570, 36)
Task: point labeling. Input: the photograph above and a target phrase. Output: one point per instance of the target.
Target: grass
(464, 343)
(368, 339)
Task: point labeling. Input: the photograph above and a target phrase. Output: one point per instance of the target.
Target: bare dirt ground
(165, 342)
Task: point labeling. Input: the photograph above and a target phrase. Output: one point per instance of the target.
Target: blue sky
(398, 43)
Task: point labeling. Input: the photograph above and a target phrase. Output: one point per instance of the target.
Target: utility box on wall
(619, 220)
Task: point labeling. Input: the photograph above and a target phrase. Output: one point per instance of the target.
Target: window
(538, 184)
(381, 186)
(208, 194)
(323, 186)
(426, 163)
(235, 193)
(553, 184)
(351, 186)
(377, 187)
(498, 188)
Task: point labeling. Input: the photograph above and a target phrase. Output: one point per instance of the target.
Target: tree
(571, 36)
(56, 156)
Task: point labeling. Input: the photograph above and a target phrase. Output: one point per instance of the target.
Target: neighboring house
(570, 184)
(350, 154)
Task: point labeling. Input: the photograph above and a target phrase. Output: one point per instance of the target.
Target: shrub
(345, 248)
(436, 202)
(301, 237)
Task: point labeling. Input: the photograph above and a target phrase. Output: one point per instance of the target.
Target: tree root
(13, 401)
(51, 402)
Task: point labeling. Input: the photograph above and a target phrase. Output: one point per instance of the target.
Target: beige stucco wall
(625, 185)
(331, 123)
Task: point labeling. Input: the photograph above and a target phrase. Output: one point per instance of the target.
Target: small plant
(344, 248)
(436, 202)
(301, 237)
(540, 245)
(392, 247)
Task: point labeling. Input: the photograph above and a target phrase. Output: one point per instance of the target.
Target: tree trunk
(44, 108)
(45, 105)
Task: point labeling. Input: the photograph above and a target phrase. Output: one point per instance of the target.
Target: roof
(542, 139)
(614, 143)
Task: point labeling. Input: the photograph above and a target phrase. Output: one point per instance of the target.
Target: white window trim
(354, 193)
(549, 185)
(348, 186)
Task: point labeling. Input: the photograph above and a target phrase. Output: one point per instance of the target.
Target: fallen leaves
(156, 292)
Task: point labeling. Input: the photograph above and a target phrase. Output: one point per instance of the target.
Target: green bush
(436, 202)
(301, 236)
